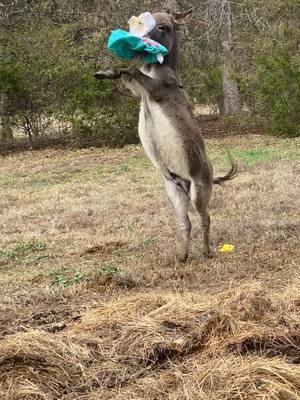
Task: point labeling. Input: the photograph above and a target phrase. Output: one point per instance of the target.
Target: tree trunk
(220, 102)
(6, 132)
(231, 98)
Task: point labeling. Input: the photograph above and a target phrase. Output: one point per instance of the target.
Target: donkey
(169, 132)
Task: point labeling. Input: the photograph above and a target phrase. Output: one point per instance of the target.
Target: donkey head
(165, 32)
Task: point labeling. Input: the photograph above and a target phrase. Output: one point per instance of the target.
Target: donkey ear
(179, 18)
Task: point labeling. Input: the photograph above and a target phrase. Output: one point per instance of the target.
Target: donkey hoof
(181, 259)
(208, 255)
(109, 73)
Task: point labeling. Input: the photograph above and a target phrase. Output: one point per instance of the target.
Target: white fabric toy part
(142, 25)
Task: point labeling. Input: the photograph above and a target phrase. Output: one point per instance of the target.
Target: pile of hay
(243, 344)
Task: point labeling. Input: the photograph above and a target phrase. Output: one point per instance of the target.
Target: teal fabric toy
(128, 45)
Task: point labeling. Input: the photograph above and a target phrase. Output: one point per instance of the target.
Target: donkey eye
(163, 28)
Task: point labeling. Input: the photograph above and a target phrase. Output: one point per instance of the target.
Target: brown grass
(93, 305)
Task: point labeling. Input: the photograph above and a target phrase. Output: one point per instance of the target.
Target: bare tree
(217, 15)
(231, 98)
(6, 132)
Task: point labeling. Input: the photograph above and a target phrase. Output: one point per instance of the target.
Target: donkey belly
(161, 142)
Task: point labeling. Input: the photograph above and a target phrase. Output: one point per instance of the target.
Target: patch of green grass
(60, 277)
(5, 181)
(124, 168)
(39, 182)
(133, 164)
(139, 162)
(44, 257)
(253, 150)
(129, 166)
(66, 277)
(99, 171)
(107, 270)
(254, 156)
(149, 240)
(45, 180)
(23, 250)
(80, 276)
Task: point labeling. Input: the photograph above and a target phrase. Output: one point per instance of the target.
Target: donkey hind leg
(200, 196)
(180, 201)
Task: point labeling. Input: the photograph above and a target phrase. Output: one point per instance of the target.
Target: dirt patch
(104, 248)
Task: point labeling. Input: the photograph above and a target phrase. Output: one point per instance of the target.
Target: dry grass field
(93, 305)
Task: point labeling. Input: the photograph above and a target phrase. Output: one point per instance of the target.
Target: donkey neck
(171, 60)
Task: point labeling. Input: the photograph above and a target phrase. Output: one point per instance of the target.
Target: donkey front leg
(180, 202)
(150, 86)
(115, 73)
(108, 73)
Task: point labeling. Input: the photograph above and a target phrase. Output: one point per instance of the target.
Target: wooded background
(241, 57)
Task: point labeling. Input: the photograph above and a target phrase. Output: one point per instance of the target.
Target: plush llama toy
(128, 45)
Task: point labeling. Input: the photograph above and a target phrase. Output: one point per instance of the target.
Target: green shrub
(278, 87)
(112, 125)
(47, 76)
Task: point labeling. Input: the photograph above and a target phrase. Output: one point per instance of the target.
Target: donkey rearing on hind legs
(169, 132)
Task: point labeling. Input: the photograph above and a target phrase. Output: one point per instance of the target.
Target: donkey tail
(230, 174)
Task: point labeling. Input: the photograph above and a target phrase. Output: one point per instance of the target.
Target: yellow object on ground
(227, 248)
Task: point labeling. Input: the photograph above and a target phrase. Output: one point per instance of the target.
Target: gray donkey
(169, 132)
